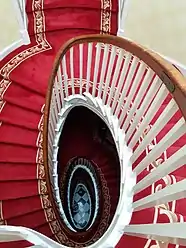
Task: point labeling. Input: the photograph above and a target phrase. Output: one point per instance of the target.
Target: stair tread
(19, 171)
(44, 229)
(21, 189)
(16, 153)
(24, 98)
(58, 18)
(23, 136)
(29, 220)
(19, 116)
(22, 206)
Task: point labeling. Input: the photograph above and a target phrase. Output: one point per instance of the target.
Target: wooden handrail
(171, 77)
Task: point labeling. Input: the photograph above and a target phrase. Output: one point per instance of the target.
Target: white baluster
(173, 233)
(59, 74)
(134, 87)
(89, 63)
(168, 194)
(141, 95)
(50, 137)
(103, 69)
(81, 68)
(52, 124)
(96, 68)
(154, 107)
(116, 75)
(174, 134)
(64, 67)
(127, 60)
(109, 73)
(56, 94)
(173, 163)
(128, 81)
(53, 106)
(162, 120)
(144, 106)
(72, 68)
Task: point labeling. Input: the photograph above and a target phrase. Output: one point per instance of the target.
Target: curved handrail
(171, 77)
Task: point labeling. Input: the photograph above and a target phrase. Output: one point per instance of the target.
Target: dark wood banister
(172, 78)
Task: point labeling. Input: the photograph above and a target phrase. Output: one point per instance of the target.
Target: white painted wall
(159, 25)
(13, 26)
(9, 25)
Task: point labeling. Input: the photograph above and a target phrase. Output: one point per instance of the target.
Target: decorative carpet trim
(43, 45)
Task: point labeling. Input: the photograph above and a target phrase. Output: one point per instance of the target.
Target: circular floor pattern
(82, 194)
(81, 206)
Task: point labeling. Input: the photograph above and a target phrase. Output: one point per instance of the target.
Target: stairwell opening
(88, 175)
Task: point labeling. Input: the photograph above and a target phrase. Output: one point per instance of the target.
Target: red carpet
(24, 76)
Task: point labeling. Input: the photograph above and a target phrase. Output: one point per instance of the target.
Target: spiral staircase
(106, 116)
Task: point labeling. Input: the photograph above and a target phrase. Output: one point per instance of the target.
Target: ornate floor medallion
(82, 196)
(81, 207)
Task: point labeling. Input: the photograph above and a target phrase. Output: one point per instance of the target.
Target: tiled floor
(81, 206)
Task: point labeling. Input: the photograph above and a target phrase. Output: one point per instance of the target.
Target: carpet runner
(24, 76)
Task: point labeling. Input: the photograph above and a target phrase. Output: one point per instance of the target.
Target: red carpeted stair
(24, 79)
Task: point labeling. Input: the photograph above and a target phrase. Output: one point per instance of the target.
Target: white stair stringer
(90, 99)
(127, 180)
